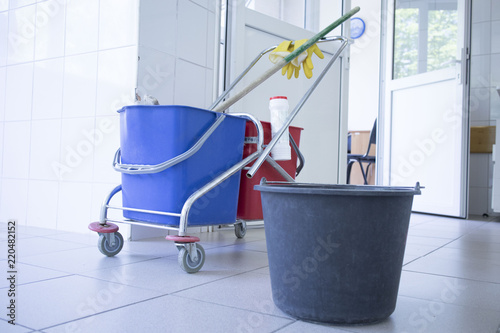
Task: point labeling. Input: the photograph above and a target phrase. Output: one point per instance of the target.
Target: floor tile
(176, 314)
(408, 259)
(47, 303)
(493, 227)
(430, 241)
(6, 327)
(41, 246)
(264, 271)
(426, 231)
(453, 223)
(417, 250)
(302, 326)
(413, 315)
(258, 245)
(416, 219)
(450, 283)
(481, 235)
(472, 242)
(453, 266)
(248, 291)
(449, 229)
(445, 289)
(161, 274)
(232, 258)
(28, 274)
(82, 260)
(90, 238)
(157, 246)
(461, 254)
(36, 231)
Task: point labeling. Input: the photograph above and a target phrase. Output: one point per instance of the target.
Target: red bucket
(249, 202)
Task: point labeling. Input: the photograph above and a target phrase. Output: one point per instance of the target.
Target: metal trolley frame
(191, 255)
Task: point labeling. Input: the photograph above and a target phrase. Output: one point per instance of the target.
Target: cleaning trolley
(181, 165)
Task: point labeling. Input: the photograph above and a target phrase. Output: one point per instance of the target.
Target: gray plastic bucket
(336, 251)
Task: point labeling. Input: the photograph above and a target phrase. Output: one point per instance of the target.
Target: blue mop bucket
(153, 134)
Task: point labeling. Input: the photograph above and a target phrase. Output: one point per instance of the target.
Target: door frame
(385, 107)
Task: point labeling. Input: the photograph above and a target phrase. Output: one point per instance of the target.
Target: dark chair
(365, 158)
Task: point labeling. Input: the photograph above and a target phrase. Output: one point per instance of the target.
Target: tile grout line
(440, 247)
(451, 303)
(285, 326)
(43, 280)
(102, 312)
(453, 277)
(208, 282)
(23, 326)
(232, 307)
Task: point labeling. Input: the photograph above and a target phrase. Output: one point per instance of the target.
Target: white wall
(484, 100)
(364, 68)
(177, 62)
(177, 42)
(66, 66)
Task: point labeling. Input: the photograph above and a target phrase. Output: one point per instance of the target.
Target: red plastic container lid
(278, 97)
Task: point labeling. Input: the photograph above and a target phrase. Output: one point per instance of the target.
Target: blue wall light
(357, 27)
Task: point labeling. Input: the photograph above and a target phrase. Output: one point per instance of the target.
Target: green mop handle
(320, 35)
(280, 64)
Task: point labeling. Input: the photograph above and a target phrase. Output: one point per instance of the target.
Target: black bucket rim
(337, 189)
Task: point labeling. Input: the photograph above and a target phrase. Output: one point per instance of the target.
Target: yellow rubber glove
(308, 64)
(281, 51)
(305, 58)
(301, 57)
(290, 68)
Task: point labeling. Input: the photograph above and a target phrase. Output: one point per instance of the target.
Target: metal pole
(292, 115)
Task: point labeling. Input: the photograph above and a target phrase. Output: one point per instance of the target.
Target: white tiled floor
(450, 283)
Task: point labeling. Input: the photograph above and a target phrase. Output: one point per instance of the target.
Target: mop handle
(320, 35)
(267, 74)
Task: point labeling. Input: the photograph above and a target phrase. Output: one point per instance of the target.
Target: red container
(249, 202)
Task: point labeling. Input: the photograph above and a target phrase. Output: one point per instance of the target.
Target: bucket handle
(141, 169)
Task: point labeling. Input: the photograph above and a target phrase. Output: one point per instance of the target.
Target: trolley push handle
(250, 66)
(280, 64)
(141, 169)
(263, 156)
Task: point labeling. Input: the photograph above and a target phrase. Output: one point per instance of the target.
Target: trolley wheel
(188, 265)
(240, 229)
(108, 250)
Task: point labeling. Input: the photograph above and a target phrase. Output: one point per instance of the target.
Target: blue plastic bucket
(152, 134)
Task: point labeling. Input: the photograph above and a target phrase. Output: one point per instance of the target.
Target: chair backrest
(373, 137)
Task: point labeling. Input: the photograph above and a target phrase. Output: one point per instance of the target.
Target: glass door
(425, 105)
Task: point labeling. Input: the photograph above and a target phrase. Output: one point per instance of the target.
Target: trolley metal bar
(105, 203)
(145, 211)
(249, 67)
(146, 224)
(205, 189)
(238, 79)
(147, 169)
(292, 115)
(278, 168)
(183, 223)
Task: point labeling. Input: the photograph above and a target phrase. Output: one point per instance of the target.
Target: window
(313, 15)
(425, 36)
